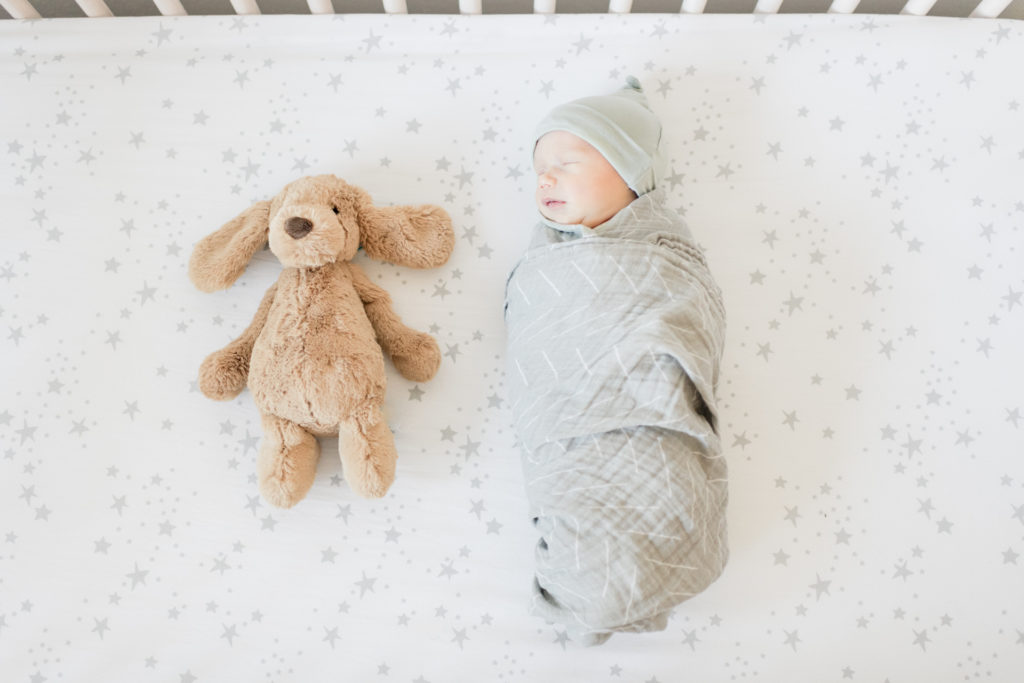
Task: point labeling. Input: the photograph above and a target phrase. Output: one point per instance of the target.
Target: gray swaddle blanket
(614, 342)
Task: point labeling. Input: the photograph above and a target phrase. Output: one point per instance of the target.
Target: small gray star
(821, 586)
(470, 447)
(464, 177)
(366, 584)
(447, 570)
(26, 432)
(441, 290)
(100, 627)
(561, 637)
(250, 169)
(794, 303)
(146, 293)
(1012, 298)
(138, 576)
(162, 35)
(792, 514)
(330, 636)
(344, 511)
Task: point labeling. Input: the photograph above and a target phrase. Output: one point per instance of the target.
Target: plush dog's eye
(336, 210)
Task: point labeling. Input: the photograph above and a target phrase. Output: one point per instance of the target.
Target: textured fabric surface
(853, 180)
(631, 523)
(615, 340)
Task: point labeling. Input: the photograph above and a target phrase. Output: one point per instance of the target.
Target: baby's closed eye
(543, 169)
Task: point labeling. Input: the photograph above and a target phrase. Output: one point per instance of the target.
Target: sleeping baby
(615, 334)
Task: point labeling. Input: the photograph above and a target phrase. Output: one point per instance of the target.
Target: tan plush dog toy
(312, 356)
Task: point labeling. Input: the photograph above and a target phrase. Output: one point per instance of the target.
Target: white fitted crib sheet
(856, 182)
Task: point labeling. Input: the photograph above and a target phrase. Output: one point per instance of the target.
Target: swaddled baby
(615, 333)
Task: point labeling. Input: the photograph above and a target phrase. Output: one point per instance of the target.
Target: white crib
(23, 9)
(853, 173)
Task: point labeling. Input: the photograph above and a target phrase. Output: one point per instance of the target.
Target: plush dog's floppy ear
(413, 236)
(221, 257)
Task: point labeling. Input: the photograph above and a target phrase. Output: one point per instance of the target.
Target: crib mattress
(855, 182)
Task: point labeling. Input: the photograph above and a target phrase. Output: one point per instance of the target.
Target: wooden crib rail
(26, 9)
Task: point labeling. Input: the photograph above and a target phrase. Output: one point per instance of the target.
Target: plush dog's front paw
(418, 357)
(223, 374)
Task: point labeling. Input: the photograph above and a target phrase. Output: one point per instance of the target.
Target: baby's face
(575, 183)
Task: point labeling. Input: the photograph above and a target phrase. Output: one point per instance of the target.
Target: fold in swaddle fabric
(615, 337)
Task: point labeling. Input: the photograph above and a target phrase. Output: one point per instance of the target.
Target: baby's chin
(557, 215)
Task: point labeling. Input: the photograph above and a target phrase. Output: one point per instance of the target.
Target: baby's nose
(298, 227)
(545, 180)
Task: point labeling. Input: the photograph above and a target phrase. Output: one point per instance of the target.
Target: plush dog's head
(318, 220)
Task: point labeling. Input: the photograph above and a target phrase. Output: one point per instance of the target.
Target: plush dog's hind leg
(287, 461)
(367, 450)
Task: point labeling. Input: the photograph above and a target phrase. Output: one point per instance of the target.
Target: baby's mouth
(550, 203)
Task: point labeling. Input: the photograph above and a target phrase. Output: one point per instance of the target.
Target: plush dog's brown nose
(297, 227)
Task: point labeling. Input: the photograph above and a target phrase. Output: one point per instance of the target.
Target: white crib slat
(170, 8)
(620, 6)
(917, 7)
(245, 6)
(20, 9)
(843, 6)
(543, 6)
(693, 6)
(470, 7)
(395, 7)
(767, 6)
(990, 9)
(95, 8)
(320, 6)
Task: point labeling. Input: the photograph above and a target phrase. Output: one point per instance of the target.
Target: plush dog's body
(313, 356)
(299, 370)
